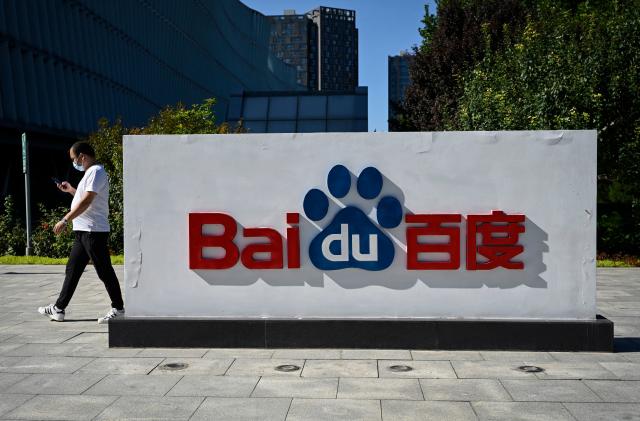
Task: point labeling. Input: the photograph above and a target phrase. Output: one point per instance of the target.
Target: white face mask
(77, 166)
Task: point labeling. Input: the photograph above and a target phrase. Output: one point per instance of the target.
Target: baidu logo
(351, 239)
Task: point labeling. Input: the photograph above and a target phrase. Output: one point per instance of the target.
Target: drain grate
(530, 369)
(287, 368)
(400, 368)
(174, 366)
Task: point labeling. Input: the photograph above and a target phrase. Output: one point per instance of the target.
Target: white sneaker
(53, 312)
(113, 314)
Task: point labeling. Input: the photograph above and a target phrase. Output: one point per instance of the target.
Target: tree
(453, 41)
(572, 67)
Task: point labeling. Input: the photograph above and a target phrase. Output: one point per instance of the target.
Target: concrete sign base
(513, 335)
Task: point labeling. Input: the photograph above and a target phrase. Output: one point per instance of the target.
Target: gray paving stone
(59, 365)
(340, 368)
(10, 402)
(420, 369)
(626, 371)
(296, 387)
(263, 367)
(121, 365)
(151, 408)
(9, 379)
(55, 337)
(173, 352)
(40, 327)
(633, 357)
(94, 350)
(334, 410)
(421, 411)
(61, 407)
(133, 384)
(308, 354)
(242, 409)
(7, 362)
(376, 354)
(447, 355)
(4, 348)
(518, 356)
(583, 370)
(195, 366)
(90, 338)
(217, 386)
(550, 391)
(604, 411)
(579, 357)
(463, 390)
(222, 353)
(616, 390)
(364, 388)
(489, 370)
(6, 335)
(71, 350)
(46, 350)
(521, 411)
(55, 384)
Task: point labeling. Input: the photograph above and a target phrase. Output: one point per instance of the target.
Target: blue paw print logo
(352, 239)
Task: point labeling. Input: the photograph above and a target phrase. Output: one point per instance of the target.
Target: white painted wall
(548, 176)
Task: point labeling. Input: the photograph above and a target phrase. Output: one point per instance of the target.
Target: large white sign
(472, 225)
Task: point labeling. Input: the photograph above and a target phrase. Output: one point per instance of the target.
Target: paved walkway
(65, 371)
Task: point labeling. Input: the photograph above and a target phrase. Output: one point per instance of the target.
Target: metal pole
(27, 189)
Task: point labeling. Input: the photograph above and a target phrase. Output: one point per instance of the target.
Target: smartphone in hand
(55, 180)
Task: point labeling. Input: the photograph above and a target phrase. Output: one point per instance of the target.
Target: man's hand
(66, 187)
(59, 227)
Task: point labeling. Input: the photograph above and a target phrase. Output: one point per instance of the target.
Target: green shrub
(13, 235)
(44, 241)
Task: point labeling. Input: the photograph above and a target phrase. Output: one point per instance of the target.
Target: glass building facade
(66, 63)
(301, 112)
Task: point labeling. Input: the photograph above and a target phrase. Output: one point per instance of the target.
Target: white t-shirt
(96, 217)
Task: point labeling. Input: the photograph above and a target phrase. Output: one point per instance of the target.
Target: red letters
(293, 241)
(432, 225)
(198, 240)
(274, 247)
(498, 250)
(494, 237)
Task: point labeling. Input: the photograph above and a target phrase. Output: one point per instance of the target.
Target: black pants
(90, 245)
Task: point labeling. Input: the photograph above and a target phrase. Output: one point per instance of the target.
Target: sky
(385, 27)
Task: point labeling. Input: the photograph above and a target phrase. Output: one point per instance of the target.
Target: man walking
(89, 215)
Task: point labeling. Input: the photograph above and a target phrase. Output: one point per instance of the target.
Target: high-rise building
(337, 48)
(322, 44)
(398, 79)
(292, 38)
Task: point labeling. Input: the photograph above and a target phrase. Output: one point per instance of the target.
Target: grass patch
(40, 260)
(617, 261)
(608, 263)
